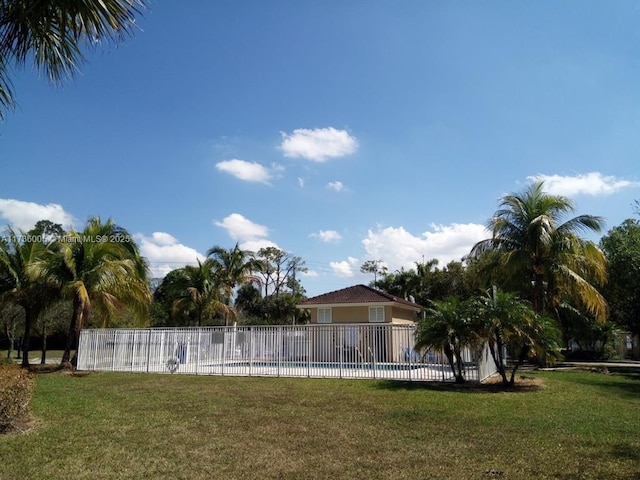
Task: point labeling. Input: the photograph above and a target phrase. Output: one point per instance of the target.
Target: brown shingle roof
(357, 294)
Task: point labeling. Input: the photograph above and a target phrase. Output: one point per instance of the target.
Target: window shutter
(376, 314)
(324, 315)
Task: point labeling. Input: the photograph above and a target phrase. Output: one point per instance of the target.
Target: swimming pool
(325, 365)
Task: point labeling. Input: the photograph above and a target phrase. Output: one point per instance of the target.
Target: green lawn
(579, 425)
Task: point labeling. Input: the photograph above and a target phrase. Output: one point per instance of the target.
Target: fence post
(339, 337)
(133, 350)
(198, 350)
(95, 356)
(375, 349)
(308, 333)
(251, 349)
(410, 352)
(224, 349)
(113, 355)
(148, 349)
(279, 347)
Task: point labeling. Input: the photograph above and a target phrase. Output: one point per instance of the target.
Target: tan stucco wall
(360, 314)
(401, 315)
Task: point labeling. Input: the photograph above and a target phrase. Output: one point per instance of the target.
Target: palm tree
(402, 283)
(196, 293)
(504, 320)
(234, 267)
(543, 256)
(447, 327)
(101, 270)
(21, 284)
(52, 33)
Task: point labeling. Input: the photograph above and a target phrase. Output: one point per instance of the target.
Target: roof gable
(358, 294)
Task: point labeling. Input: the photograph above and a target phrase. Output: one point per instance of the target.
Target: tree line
(535, 286)
(97, 277)
(531, 288)
(232, 286)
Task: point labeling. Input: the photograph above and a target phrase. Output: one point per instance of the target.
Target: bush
(16, 389)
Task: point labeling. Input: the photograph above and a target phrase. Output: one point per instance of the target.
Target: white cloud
(163, 239)
(277, 168)
(255, 245)
(247, 171)
(240, 228)
(335, 186)
(310, 273)
(24, 215)
(250, 236)
(318, 144)
(327, 236)
(399, 248)
(165, 253)
(301, 182)
(345, 268)
(593, 183)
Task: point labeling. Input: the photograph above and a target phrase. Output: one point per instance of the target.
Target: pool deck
(387, 371)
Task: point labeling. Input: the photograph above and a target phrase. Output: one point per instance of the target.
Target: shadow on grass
(623, 457)
(523, 384)
(625, 451)
(625, 381)
(39, 369)
(582, 476)
(47, 368)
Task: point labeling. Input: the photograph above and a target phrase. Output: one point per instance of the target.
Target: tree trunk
(30, 315)
(521, 359)
(460, 365)
(497, 359)
(43, 358)
(538, 293)
(502, 366)
(12, 340)
(76, 319)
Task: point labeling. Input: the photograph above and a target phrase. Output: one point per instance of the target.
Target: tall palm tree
(53, 33)
(542, 255)
(234, 267)
(101, 270)
(196, 293)
(21, 284)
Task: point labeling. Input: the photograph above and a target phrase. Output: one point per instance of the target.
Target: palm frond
(52, 33)
(6, 89)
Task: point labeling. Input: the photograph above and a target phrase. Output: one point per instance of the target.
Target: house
(367, 317)
(360, 304)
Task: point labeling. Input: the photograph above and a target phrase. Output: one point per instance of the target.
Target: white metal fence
(339, 351)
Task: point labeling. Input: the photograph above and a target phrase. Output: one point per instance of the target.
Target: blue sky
(338, 131)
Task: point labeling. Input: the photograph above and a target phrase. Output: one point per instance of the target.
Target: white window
(324, 315)
(376, 314)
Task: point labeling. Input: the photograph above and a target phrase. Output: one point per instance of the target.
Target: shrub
(16, 389)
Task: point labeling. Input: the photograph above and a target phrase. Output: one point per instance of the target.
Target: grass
(53, 356)
(578, 425)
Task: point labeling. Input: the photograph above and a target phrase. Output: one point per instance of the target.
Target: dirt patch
(46, 368)
(21, 427)
(522, 382)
